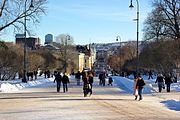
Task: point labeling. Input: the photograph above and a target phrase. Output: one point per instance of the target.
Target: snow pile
(175, 86)
(12, 86)
(172, 104)
(127, 85)
(6, 87)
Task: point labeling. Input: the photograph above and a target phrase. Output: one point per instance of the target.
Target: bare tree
(154, 27)
(3, 45)
(35, 61)
(126, 58)
(161, 56)
(12, 12)
(10, 61)
(169, 11)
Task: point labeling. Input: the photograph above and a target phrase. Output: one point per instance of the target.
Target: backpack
(142, 82)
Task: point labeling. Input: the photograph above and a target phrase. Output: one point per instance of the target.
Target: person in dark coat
(85, 83)
(58, 80)
(65, 81)
(100, 78)
(168, 82)
(35, 74)
(110, 81)
(78, 77)
(150, 75)
(48, 73)
(160, 81)
(91, 80)
(45, 73)
(139, 86)
(104, 79)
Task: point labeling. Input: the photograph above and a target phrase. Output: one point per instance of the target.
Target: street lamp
(67, 38)
(137, 19)
(25, 42)
(118, 38)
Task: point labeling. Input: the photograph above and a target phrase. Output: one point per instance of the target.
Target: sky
(91, 21)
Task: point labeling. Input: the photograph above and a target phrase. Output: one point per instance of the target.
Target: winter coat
(100, 76)
(140, 83)
(168, 80)
(91, 79)
(78, 75)
(65, 79)
(110, 80)
(159, 79)
(58, 78)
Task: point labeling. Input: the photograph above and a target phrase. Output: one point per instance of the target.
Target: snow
(125, 84)
(14, 86)
(172, 104)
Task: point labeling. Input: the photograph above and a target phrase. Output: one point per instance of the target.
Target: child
(110, 81)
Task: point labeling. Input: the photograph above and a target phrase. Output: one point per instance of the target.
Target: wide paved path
(106, 103)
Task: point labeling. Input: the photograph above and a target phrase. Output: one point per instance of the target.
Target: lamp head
(117, 38)
(131, 5)
(68, 37)
(31, 6)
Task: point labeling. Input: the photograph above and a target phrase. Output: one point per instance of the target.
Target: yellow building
(81, 62)
(85, 58)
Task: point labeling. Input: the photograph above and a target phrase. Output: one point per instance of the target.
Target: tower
(48, 38)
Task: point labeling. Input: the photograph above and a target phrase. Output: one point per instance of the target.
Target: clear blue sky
(95, 21)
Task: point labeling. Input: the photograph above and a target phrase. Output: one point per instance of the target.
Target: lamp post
(137, 20)
(118, 38)
(67, 38)
(25, 29)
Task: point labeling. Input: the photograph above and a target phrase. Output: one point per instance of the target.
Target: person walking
(150, 75)
(91, 80)
(100, 78)
(139, 86)
(110, 80)
(168, 82)
(65, 81)
(103, 79)
(160, 81)
(85, 83)
(58, 80)
(135, 93)
(78, 77)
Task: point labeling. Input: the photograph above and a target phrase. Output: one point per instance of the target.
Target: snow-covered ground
(126, 84)
(17, 85)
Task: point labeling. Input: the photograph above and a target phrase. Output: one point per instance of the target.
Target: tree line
(11, 60)
(160, 48)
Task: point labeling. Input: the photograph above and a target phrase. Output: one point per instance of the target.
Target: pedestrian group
(88, 79)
